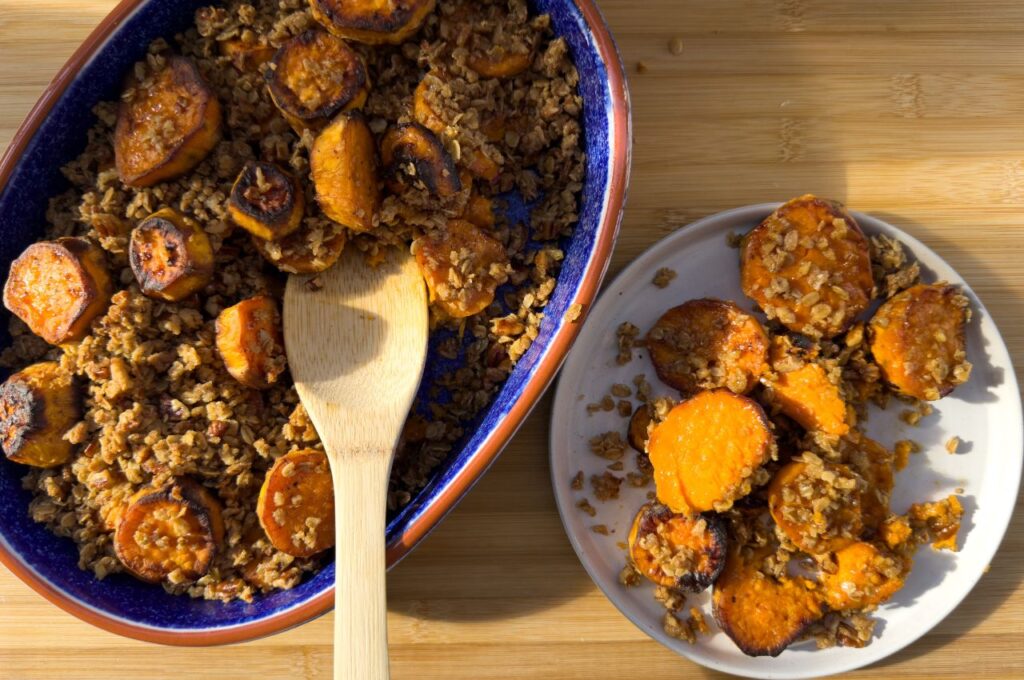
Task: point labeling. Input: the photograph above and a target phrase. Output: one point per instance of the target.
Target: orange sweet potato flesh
(167, 126)
(246, 55)
(917, 339)
(314, 76)
(423, 111)
(374, 22)
(171, 256)
(413, 144)
(174, 530)
(250, 343)
(58, 287)
(499, 63)
(38, 404)
(296, 503)
(343, 165)
(805, 393)
(762, 615)
(808, 265)
(942, 520)
(865, 577)
(479, 211)
(294, 254)
(467, 285)
(874, 463)
(706, 449)
(705, 344)
(813, 530)
(266, 201)
(677, 551)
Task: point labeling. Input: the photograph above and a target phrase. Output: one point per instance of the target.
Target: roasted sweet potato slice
(171, 533)
(266, 201)
(480, 164)
(499, 62)
(38, 404)
(411, 153)
(677, 551)
(58, 287)
(706, 344)
(373, 22)
(307, 250)
(425, 112)
(808, 265)
(874, 463)
(479, 211)
(343, 165)
(249, 341)
(463, 267)
(637, 431)
(166, 124)
(803, 391)
(865, 577)
(314, 76)
(917, 339)
(170, 255)
(296, 503)
(762, 614)
(707, 450)
(817, 504)
(940, 520)
(246, 54)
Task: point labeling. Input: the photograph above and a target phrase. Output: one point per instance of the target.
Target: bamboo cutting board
(912, 110)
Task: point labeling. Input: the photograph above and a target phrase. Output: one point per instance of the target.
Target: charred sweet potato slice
(803, 391)
(677, 551)
(707, 449)
(166, 124)
(865, 577)
(58, 287)
(917, 339)
(38, 404)
(296, 503)
(463, 267)
(343, 165)
(637, 431)
(266, 201)
(314, 76)
(762, 614)
(246, 54)
(170, 255)
(374, 22)
(411, 153)
(808, 265)
(706, 344)
(249, 341)
(171, 533)
(817, 504)
(307, 250)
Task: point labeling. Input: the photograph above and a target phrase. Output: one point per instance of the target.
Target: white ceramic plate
(985, 413)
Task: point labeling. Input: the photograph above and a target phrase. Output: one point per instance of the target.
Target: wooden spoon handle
(360, 590)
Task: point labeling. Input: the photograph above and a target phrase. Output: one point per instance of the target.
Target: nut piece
(37, 406)
(266, 201)
(170, 255)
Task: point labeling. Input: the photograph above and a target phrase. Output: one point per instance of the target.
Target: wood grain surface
(912, 110)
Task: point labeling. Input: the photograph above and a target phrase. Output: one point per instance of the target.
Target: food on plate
(267, 201)
(705, 344)
(638, 430)
(804, 391)
(170, 256)
(864, 576)
(58, 288)
(169, 120)
(677, 551)
(250, 341)
(917, 338)
(38, 405)
(241, 150)
(808, 266)
(296, 503)
(314, 76)
(817, 504)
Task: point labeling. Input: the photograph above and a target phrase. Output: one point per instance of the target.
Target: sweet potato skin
(705, 535)
(58, 287)
(37, 406)
(171, 256)
(808, 265)
(691, 343)
(176, 528)
(314, 76)
(298, 488)
(167, 129)
(461, 291)
(412, 143)
(250, 342)
(266, 201)
(343, 165)
(918, 340)
(706, 449)
(372, 22)
(637, 431)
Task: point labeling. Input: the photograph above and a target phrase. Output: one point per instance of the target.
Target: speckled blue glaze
(22, 216)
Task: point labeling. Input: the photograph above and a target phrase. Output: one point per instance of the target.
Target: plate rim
(564, 399)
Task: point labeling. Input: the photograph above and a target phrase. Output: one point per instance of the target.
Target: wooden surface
(912, 110)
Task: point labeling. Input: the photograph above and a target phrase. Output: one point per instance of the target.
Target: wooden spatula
(356, 339)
